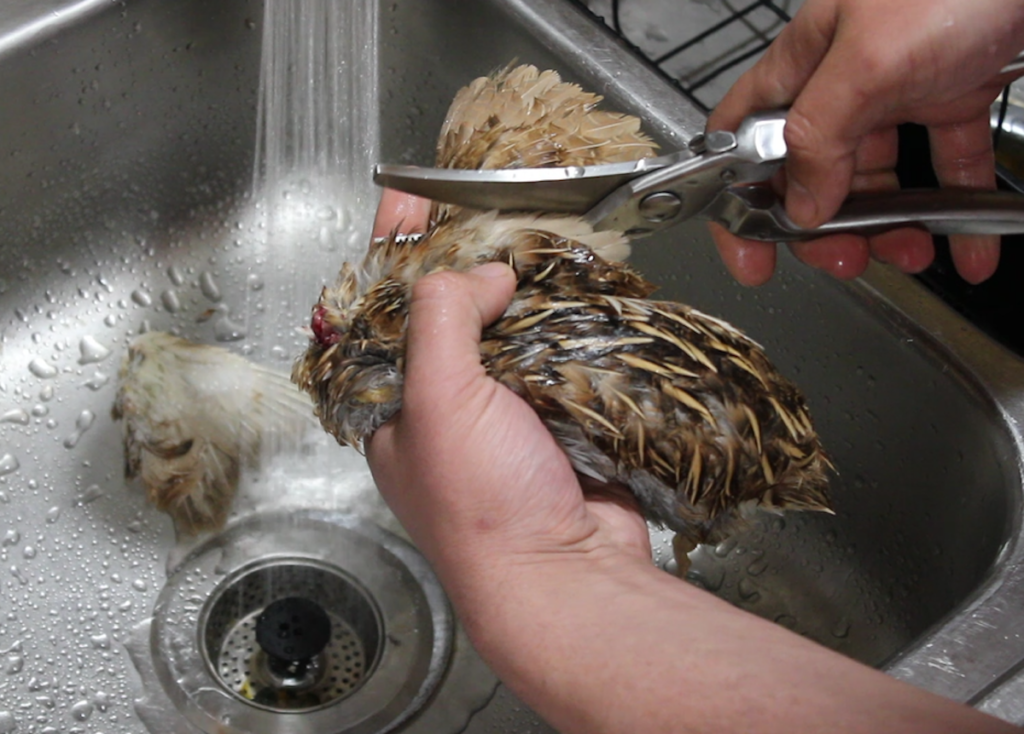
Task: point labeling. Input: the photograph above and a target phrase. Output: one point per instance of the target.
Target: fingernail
(492, 270)
(801, 205)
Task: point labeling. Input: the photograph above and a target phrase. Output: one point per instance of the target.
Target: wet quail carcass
(194, 416)
(677, 405)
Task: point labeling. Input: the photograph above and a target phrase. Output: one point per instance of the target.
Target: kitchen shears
(719, 176)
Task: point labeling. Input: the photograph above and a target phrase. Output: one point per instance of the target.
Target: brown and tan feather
(677, 405)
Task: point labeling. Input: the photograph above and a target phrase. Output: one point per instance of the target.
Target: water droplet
(89, 494)
(16, 573)
(748, 590)
(176, 276)
(29, 552)
(208, 286)
(40, 410)
(255, 282)
(786, 620)
(226, 330)
(46, 700)
(7, 722)
(46, 394)
(8, 464)
(102, 700)
(711, 579)
(757, 567)
(841, 629)
(53, 514)
(15, 415)
(142, 298)
(109, 320)
(42, 369)
(97, 381)
(14, 664)
(11, 537)
(91, 351)
(725, 547)
(81, 711)
(100, 642)
(170, 301)
(85, 420)
(140, 585)
(82, 424)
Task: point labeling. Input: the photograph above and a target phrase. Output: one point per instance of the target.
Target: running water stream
(317, 140)
(314, 198)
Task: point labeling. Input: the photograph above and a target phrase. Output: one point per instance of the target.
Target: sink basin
(128, 137)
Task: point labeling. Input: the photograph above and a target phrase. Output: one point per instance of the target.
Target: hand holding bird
(467, 464)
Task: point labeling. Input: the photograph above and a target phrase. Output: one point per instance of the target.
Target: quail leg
(681, 548)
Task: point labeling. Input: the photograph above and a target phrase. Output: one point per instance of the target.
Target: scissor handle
(754, 212)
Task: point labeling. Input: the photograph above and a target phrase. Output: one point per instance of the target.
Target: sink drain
(301, 622)
(289, 601)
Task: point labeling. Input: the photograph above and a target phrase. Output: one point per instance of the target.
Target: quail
(194, 416)
(677, 405)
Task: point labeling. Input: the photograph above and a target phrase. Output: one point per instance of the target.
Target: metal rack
(706, 58)
(722, 37)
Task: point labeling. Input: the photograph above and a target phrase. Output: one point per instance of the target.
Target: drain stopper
(292, 632)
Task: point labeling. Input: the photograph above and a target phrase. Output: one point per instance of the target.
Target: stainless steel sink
(127, 135)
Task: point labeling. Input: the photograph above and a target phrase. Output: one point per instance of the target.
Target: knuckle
(877, 64)
(805, 137)
(814, 144)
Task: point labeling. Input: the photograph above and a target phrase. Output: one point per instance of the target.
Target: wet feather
(679, 406)
(194, 416)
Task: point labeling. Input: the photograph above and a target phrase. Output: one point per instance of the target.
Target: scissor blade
(573, 189)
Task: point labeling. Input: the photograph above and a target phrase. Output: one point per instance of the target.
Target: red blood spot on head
(323, 333)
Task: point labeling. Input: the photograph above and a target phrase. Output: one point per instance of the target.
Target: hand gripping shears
(719, 176)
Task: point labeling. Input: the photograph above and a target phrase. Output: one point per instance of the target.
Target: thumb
(447, 312)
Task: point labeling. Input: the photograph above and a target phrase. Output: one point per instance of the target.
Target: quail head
(194, 416)
(679, 406)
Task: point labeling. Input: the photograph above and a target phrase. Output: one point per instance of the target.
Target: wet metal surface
(127, 138)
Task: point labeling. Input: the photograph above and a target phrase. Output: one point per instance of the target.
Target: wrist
(479, 570)
(501, 599)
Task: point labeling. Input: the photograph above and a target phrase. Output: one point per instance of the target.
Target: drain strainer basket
(232, 651)
(390, 628)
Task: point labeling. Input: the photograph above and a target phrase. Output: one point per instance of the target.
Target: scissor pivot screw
(660, 206)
